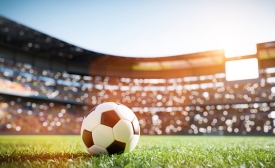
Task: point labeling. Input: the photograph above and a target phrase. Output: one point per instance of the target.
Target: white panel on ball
(125, 113)
(123, 131)
(103, 136)
(132, 143)
(91, 121)
(96, 150)
(106, 106)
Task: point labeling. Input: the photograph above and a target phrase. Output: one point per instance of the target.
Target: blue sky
(148, 28)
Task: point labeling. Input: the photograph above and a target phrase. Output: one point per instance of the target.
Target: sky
(148, 28)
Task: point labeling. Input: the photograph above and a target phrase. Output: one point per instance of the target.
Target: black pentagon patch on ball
(109, 118)
(87, 138)
(135, 125)
(116, 147)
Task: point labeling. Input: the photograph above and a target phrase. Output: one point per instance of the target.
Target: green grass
(151, 151)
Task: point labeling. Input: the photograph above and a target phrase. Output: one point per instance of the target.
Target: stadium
(48, 86)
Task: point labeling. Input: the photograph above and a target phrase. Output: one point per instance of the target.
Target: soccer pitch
(151, 151)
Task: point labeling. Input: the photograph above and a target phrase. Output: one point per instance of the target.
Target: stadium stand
(163, 106)
(40, 99)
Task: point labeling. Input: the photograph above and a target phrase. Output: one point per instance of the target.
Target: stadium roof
(20, 37)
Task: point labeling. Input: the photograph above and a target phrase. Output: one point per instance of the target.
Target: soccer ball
(110, 128)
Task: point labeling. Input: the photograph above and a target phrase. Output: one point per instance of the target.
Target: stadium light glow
(242, 69)
(270, 70)
(272, 114)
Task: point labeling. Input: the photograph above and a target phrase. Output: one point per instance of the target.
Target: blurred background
(48, 85)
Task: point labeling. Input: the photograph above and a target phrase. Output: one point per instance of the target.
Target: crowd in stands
(23, 116)
(35, 101)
